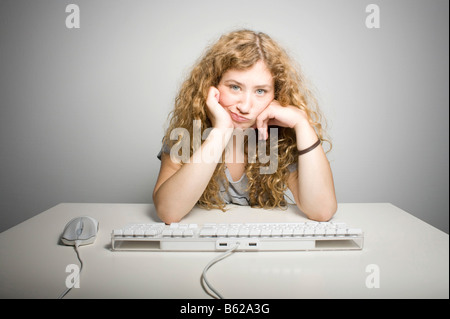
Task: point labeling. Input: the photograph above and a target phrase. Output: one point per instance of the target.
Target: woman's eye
(234, 88)
(260, 91)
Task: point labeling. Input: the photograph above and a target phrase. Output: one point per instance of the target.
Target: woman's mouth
(237, 118)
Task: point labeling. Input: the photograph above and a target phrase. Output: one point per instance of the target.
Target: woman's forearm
(316, 192)
(176, 196)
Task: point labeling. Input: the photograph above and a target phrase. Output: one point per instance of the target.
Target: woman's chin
(244, 125)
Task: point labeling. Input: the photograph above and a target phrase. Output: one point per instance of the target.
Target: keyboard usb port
(241, 244)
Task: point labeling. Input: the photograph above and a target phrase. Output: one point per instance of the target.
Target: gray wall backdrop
(83, 110)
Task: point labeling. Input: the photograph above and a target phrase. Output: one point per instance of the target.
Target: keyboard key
(150, 232)
(222, 232)
(177, 233)
(244, 232)
(138, 233)
(128, 232)
(208, 232)
(354, 231)
(276, 232)
(266, 232)
(319, 231)
(287, 232)
(188, 233)
(167, 233)
(233, 232)
(255, 232)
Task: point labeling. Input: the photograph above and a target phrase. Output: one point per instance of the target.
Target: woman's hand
(283, 116)
(218, 116)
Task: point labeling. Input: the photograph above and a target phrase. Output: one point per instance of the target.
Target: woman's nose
(245, 104)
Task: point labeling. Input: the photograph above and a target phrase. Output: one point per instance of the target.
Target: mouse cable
(78, 275)
(212, 262)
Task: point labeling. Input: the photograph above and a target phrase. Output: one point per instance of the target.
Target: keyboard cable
(212, 262)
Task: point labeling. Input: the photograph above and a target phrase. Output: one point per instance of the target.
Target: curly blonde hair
(241, 50)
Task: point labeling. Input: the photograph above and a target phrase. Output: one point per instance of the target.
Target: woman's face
(245, 94)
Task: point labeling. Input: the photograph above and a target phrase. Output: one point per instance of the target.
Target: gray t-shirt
(236, 193)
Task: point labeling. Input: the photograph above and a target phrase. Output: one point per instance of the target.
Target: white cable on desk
(212, 262)
(78, 275)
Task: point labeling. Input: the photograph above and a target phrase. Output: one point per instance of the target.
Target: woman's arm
(179, 186)
(312, 184)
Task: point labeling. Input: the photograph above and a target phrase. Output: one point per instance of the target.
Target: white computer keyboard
(248, 236)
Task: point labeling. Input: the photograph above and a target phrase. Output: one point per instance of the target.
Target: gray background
(83, 110)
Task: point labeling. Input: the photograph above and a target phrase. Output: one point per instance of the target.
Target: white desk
(412, 258)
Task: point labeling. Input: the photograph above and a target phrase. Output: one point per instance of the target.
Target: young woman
(245, 81)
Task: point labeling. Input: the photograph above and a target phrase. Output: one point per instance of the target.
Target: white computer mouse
(80, 231)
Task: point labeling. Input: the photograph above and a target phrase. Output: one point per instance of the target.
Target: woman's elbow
(164, 213)
(168, 211)
(323, 213)
(169, 219)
